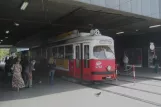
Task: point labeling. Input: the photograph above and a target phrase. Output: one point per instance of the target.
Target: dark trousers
(156, 68)
(51, 76)
(24, 77)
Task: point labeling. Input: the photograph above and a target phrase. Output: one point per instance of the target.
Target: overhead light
(154, 26)
(7, 31)
(137, 30)
(118, 33)
(6, 37)
(16, 24)
(1, 40)
(24, 5)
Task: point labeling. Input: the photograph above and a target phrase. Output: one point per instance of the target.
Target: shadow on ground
(38, 90)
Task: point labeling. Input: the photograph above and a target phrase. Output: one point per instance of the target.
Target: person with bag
(17, 81)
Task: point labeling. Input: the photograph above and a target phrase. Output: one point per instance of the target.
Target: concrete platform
(64, 94)
(144, 73)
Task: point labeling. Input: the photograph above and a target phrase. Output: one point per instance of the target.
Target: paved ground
(144, 72)
(123, 93)
(66, 94)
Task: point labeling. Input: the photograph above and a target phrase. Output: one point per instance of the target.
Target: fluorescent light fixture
(118, 33)
(24, 5)
(7, 31)
(16, 24)
(154, 26)
(6, 37)
(1, 40)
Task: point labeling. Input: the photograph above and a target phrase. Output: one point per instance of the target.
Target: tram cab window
(61, 52)
(69, 52)
(103, 52)
(55, 52)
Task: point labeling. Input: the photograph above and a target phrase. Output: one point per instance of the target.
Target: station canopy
(43, 19)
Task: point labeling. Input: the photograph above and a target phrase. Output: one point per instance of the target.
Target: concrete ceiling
(43, 19)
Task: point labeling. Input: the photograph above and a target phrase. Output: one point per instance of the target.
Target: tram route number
(99, 64)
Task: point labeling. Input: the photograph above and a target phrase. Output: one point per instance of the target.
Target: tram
(87, 56)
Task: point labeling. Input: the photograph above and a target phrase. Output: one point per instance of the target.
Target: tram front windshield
(103, 52)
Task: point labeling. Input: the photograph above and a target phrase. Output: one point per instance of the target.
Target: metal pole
(134, 76)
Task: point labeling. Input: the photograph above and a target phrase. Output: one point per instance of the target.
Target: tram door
(78, 61)
(86, 68)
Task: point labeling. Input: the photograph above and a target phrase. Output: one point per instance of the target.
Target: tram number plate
(108, 77)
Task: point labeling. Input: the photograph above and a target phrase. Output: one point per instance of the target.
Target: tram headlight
(109, 68)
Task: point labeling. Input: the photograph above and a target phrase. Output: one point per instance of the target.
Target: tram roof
(89, 38)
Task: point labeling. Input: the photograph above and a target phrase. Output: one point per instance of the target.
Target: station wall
(123, 43)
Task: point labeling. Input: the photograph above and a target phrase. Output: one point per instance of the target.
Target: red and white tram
(87, 56)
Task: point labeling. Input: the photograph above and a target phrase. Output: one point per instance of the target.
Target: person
(51, 65)
(156, 64)
(25, 62)
(17, 81)
(29, 69)
(125, 60)
(9, 63)
(6, 69)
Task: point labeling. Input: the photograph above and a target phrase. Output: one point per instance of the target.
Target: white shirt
(126, 59)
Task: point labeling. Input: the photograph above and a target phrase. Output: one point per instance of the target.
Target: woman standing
(17, 81)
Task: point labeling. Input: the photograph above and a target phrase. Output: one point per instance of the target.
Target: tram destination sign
(105, 42)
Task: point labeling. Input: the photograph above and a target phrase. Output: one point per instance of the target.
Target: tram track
(128, 96)
(120, 94)
(134, 89)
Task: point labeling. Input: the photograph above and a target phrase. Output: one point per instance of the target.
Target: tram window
(61, 52)
(77, 52)
(86, 51)
(55, 52)
(103, 52)
(77, 57)
(69, 52)
(86, 56)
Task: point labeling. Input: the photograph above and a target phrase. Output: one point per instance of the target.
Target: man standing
(126, 61)
(25, 63)
(51, 65)
(156, 64)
